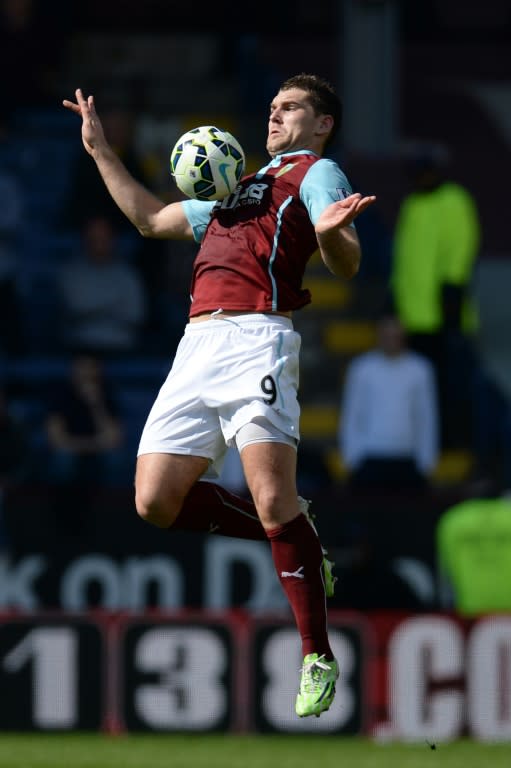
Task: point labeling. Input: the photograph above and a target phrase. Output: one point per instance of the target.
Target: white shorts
(227, 372)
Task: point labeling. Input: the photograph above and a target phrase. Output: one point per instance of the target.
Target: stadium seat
(327, 293)
(453, 467)
(336, 467)
(349, 337)
(318, 421)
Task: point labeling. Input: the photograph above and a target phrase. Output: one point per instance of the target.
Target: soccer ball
(207, 163)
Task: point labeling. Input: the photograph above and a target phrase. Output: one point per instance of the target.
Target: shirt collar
(278, 159)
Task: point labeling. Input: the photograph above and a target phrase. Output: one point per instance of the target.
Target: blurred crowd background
(90, 313)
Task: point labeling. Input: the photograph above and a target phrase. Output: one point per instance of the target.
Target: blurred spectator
(474, 556)
(14, 458)
(85, 435)
(101, 294)
(436, 243)
(388, 429)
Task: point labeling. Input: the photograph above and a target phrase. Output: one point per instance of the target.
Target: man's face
(391, 336)
(293, 125)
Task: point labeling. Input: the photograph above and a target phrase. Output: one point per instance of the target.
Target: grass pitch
(228, 751)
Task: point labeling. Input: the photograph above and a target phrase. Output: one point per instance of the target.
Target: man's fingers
(351, 199)
(81, 106)
(72, 106)
(357, 206)
(365, 202)
(357, 200)
(86, 104)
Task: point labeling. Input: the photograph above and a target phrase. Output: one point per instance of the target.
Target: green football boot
(317, 686)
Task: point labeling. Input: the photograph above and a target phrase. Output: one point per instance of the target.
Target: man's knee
(162, 482)
(155, 508)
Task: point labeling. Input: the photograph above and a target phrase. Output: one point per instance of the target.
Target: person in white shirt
(388, 427)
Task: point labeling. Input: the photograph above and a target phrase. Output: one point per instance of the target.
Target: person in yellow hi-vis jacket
(436, 243)
(474, 556)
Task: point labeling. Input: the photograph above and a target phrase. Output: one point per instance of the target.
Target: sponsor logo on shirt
(251, 195)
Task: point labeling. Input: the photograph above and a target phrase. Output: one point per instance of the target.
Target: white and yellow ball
(207, 163)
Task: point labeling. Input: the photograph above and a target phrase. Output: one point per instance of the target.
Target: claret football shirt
(255, 243)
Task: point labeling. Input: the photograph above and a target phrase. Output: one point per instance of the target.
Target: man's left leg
(270, 471)
(210, 508)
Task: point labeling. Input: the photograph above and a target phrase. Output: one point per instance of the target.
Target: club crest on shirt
(285, 169)
(342, 192)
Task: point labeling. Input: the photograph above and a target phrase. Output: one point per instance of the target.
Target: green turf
(226, 751)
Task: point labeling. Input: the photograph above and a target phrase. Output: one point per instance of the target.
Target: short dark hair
(322, 96)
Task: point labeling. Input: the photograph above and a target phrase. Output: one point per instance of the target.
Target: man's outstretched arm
(147, 213)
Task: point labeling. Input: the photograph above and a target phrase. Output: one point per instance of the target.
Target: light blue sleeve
(324, 183)
(198, 213)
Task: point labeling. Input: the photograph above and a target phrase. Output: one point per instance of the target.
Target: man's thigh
(163, 480)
